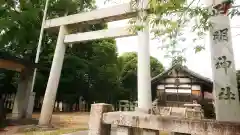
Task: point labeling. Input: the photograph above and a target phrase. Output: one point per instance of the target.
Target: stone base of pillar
(16, 115)
(140, 110)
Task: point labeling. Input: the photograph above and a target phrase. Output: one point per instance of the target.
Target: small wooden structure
(13, 63)
(179, 85)
(23, 97)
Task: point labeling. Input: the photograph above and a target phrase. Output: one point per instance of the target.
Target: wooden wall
(176, 94)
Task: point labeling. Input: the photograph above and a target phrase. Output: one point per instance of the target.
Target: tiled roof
(183, 68)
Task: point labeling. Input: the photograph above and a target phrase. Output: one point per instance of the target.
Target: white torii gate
(224, 75)
(119, 12)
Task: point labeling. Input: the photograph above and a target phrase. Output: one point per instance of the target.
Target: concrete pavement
(85, 132)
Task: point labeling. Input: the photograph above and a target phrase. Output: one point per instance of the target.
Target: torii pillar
(143, 68)
(53, 80)
(225, 89)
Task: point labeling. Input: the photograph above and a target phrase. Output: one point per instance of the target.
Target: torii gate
(225, 86)
(119, 12)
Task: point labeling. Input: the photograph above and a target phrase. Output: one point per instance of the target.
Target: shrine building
(179, 85)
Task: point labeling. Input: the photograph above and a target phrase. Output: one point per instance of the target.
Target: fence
(8, 100)
(60, 106)
(126, 105)
(64, 107)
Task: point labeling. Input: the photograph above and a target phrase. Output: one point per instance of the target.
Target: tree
(127, 65)
(91, 72)
(238, 78)
(238, 81)
(170, 19)
(20, 23)
(89, 68)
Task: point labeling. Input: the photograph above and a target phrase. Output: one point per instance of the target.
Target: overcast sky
(200, 62)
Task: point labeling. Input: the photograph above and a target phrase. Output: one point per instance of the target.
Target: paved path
(85, 132)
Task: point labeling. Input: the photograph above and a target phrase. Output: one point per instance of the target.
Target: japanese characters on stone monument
(226, 94)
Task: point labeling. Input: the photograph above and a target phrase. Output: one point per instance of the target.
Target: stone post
(225, 89)
(23, 92)
(144, 78)
(96, 126)
(52, 85)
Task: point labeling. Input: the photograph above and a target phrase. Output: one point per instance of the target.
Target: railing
(138, 123)
(59, 106)
(126, 105)
(8, 100)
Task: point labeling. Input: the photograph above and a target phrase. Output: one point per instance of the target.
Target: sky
(199, 63)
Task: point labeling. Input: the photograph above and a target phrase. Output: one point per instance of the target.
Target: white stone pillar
(23, 91)
(144, 78)
(226, 94)
(51, 90)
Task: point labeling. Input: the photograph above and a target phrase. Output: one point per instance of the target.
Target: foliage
(171, 19)
(238, 78)
(20, 23)
(128, 72)
(91, 69)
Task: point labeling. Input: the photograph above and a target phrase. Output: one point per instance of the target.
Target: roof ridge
(186, 69)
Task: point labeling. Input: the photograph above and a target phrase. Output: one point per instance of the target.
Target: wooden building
(9, 62)
(179, 85)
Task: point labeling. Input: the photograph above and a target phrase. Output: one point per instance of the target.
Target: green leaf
(199, 49)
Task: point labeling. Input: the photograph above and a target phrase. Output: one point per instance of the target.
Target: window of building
(171, 97)
(183, 97)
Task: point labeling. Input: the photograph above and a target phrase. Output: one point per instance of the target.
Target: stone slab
(96, 126)
(172, 124)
